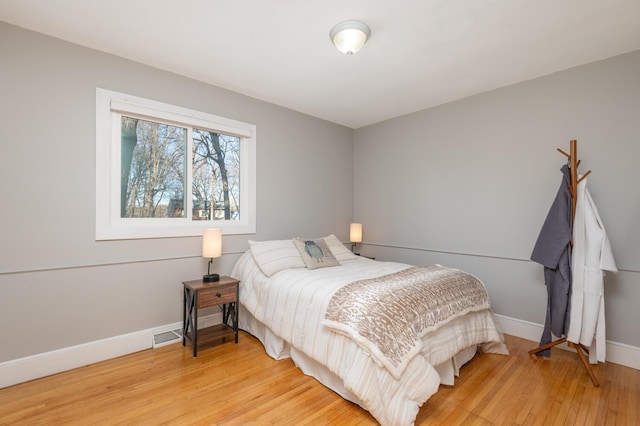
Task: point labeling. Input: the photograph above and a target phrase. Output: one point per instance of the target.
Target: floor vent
(166, 338)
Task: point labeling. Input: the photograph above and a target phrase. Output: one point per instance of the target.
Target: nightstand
(199, 294)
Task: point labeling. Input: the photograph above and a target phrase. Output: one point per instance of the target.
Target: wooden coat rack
(574, 163)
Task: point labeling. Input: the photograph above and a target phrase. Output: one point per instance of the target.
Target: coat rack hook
(584, 176)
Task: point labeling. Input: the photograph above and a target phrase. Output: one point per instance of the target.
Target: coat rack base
(580, 350)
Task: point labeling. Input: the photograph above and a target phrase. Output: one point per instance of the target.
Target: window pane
(152, 169)
(216, 176)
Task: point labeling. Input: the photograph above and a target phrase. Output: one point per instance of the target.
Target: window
(167, 171)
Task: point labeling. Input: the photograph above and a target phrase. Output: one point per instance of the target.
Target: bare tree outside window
(152, 169)
(216, 172)
(153, 172)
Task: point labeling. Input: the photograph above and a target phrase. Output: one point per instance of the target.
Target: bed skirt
(278, 349)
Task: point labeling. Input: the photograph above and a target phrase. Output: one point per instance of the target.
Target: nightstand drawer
(217, 296)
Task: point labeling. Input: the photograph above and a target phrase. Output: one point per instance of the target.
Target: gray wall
(58, 286)
(468, 184)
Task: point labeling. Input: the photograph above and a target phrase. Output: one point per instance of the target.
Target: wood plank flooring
(240, 385)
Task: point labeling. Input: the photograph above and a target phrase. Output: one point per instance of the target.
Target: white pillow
(338, 249)
(315, 253)
(276, 255)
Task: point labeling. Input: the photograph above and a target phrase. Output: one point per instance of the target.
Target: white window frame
(110, 106)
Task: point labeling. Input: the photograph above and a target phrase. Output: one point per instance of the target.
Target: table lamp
(355, 235)
(211, 247)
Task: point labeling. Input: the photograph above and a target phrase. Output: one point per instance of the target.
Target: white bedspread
(292, 304)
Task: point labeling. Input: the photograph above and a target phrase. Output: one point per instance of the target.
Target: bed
(302, 299)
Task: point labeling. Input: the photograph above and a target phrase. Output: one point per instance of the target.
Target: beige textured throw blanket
(388, 315)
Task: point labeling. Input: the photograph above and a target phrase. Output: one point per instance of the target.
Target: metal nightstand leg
(190, 320)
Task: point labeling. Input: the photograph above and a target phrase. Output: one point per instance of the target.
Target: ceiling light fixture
(349, 36)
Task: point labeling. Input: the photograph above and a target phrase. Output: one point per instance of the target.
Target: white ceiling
(421, 53)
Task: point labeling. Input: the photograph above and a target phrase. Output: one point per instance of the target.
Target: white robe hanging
(591, 256)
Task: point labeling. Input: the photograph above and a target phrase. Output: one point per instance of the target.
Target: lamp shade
(212, 243)
(349, 36)
(355, 233)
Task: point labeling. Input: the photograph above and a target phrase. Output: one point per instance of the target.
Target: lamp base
(210, 278)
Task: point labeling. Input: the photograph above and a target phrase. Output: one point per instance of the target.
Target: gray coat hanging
(553, 251)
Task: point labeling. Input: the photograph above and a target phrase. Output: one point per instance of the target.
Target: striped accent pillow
(338, 249)
(275, 255)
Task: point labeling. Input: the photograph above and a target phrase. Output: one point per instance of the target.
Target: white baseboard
(48, 363)
(41, 365)
(617, 353)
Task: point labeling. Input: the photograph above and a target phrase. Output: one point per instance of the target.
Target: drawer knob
(219, 294)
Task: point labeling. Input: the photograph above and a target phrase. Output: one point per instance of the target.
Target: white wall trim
(48, 363)
(44, 364)
(617, 353)
(41, 365)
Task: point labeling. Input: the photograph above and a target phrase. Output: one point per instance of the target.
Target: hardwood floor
(239, 384)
